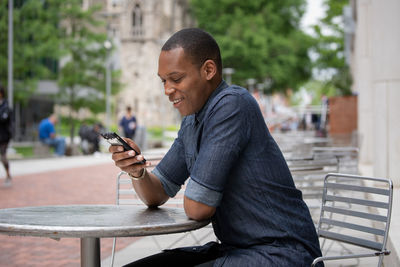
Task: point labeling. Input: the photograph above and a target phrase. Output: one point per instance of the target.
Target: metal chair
(347, 157)
(356, 212)
(308, 176)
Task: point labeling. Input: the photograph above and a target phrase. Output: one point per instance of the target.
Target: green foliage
(35, 44)
(49, 32)
(330, 47)
(82, 76)
(259, 39)
(155, 132)
(317, 89)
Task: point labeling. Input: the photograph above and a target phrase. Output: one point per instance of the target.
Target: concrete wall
(377, 80)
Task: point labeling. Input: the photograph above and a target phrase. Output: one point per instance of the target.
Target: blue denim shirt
(235, 165)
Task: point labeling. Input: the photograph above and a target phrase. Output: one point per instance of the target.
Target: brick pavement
(83, 185)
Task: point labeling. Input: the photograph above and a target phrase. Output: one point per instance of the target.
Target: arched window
(137, 21)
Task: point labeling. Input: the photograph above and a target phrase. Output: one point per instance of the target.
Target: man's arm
(196, 210)
(149, 189)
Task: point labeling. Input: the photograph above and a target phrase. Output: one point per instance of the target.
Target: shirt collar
(198, 116)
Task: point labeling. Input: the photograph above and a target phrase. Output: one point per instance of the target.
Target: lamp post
(251, 82)
(228, 73)
(108, 46)
(10, 53)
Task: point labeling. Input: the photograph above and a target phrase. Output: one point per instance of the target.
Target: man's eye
(177, 80)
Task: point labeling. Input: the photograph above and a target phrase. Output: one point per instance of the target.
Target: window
(137, 21)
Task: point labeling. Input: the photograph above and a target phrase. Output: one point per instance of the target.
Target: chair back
(347, 157)
(356, 210)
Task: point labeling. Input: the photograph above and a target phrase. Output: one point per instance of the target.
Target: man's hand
(128, 161)
(149, 188)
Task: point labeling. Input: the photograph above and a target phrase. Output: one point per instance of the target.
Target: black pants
(200, 256)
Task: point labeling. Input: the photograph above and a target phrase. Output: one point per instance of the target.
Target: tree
(82, 75)
(330, 47)
(260, 39)
(35, 44)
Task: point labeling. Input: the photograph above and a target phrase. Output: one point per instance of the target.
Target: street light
(10, 52)
(108, 46)
(228, 73)
(251, 82)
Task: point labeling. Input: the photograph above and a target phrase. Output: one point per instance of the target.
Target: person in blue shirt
(48, 136)
(238, 176)
(128, 123)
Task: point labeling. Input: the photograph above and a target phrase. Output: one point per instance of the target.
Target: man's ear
(209, 69)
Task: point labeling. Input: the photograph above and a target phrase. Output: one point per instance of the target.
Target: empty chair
(355, 213)
(347, 157)
(308, 176)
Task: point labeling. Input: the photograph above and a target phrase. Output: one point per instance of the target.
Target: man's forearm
(150, 190)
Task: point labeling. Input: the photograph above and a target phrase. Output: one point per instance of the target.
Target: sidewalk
(55, 181)
(91, 180)
(394, 233)
(63, 181)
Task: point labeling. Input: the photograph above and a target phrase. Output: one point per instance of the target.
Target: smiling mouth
(176, 101)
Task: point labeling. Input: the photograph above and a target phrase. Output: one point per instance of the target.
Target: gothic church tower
(138, 29)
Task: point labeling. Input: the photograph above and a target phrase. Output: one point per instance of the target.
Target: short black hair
(197, 44)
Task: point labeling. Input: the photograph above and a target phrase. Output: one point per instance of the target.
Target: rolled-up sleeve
(224, 136)
(202, 194)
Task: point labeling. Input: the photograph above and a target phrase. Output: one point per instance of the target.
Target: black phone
(116, 140)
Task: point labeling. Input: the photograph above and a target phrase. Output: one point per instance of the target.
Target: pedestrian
(48, 136)
(5, 133)
(238, 176)
(128, 123)
(90, 137)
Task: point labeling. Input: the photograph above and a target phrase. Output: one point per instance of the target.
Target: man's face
(184, 83)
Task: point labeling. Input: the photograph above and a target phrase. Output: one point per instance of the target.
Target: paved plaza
(91, 180)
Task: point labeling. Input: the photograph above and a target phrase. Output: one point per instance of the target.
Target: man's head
(197, 44)
(190, 68)
(53, 118)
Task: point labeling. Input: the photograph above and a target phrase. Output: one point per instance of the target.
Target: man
(47, 135)
(5, 134)
(238, 176)
(128, 123)
(90, 138)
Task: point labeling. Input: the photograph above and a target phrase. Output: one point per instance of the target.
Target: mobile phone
(116, 140)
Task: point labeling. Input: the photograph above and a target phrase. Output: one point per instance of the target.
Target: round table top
(95, 221)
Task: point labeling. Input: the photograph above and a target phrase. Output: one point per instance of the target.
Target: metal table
(92, 222)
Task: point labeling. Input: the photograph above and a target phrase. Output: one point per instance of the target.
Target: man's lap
(216, 254)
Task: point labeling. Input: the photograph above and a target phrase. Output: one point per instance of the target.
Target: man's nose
(168, 89)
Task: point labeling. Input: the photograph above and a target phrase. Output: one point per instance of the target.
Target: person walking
(128, 123)
(5, 134)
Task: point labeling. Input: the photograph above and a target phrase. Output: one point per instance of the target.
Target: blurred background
(330, 67)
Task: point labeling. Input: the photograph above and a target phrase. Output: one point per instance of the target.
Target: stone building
(138, 29)
(376, 71)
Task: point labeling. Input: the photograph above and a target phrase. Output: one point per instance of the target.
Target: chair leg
(113, 252)
(157, 243)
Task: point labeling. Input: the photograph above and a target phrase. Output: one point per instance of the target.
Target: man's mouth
(177, 101)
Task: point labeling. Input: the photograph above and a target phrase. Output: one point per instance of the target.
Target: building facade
(138, 29)
(376, 71)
